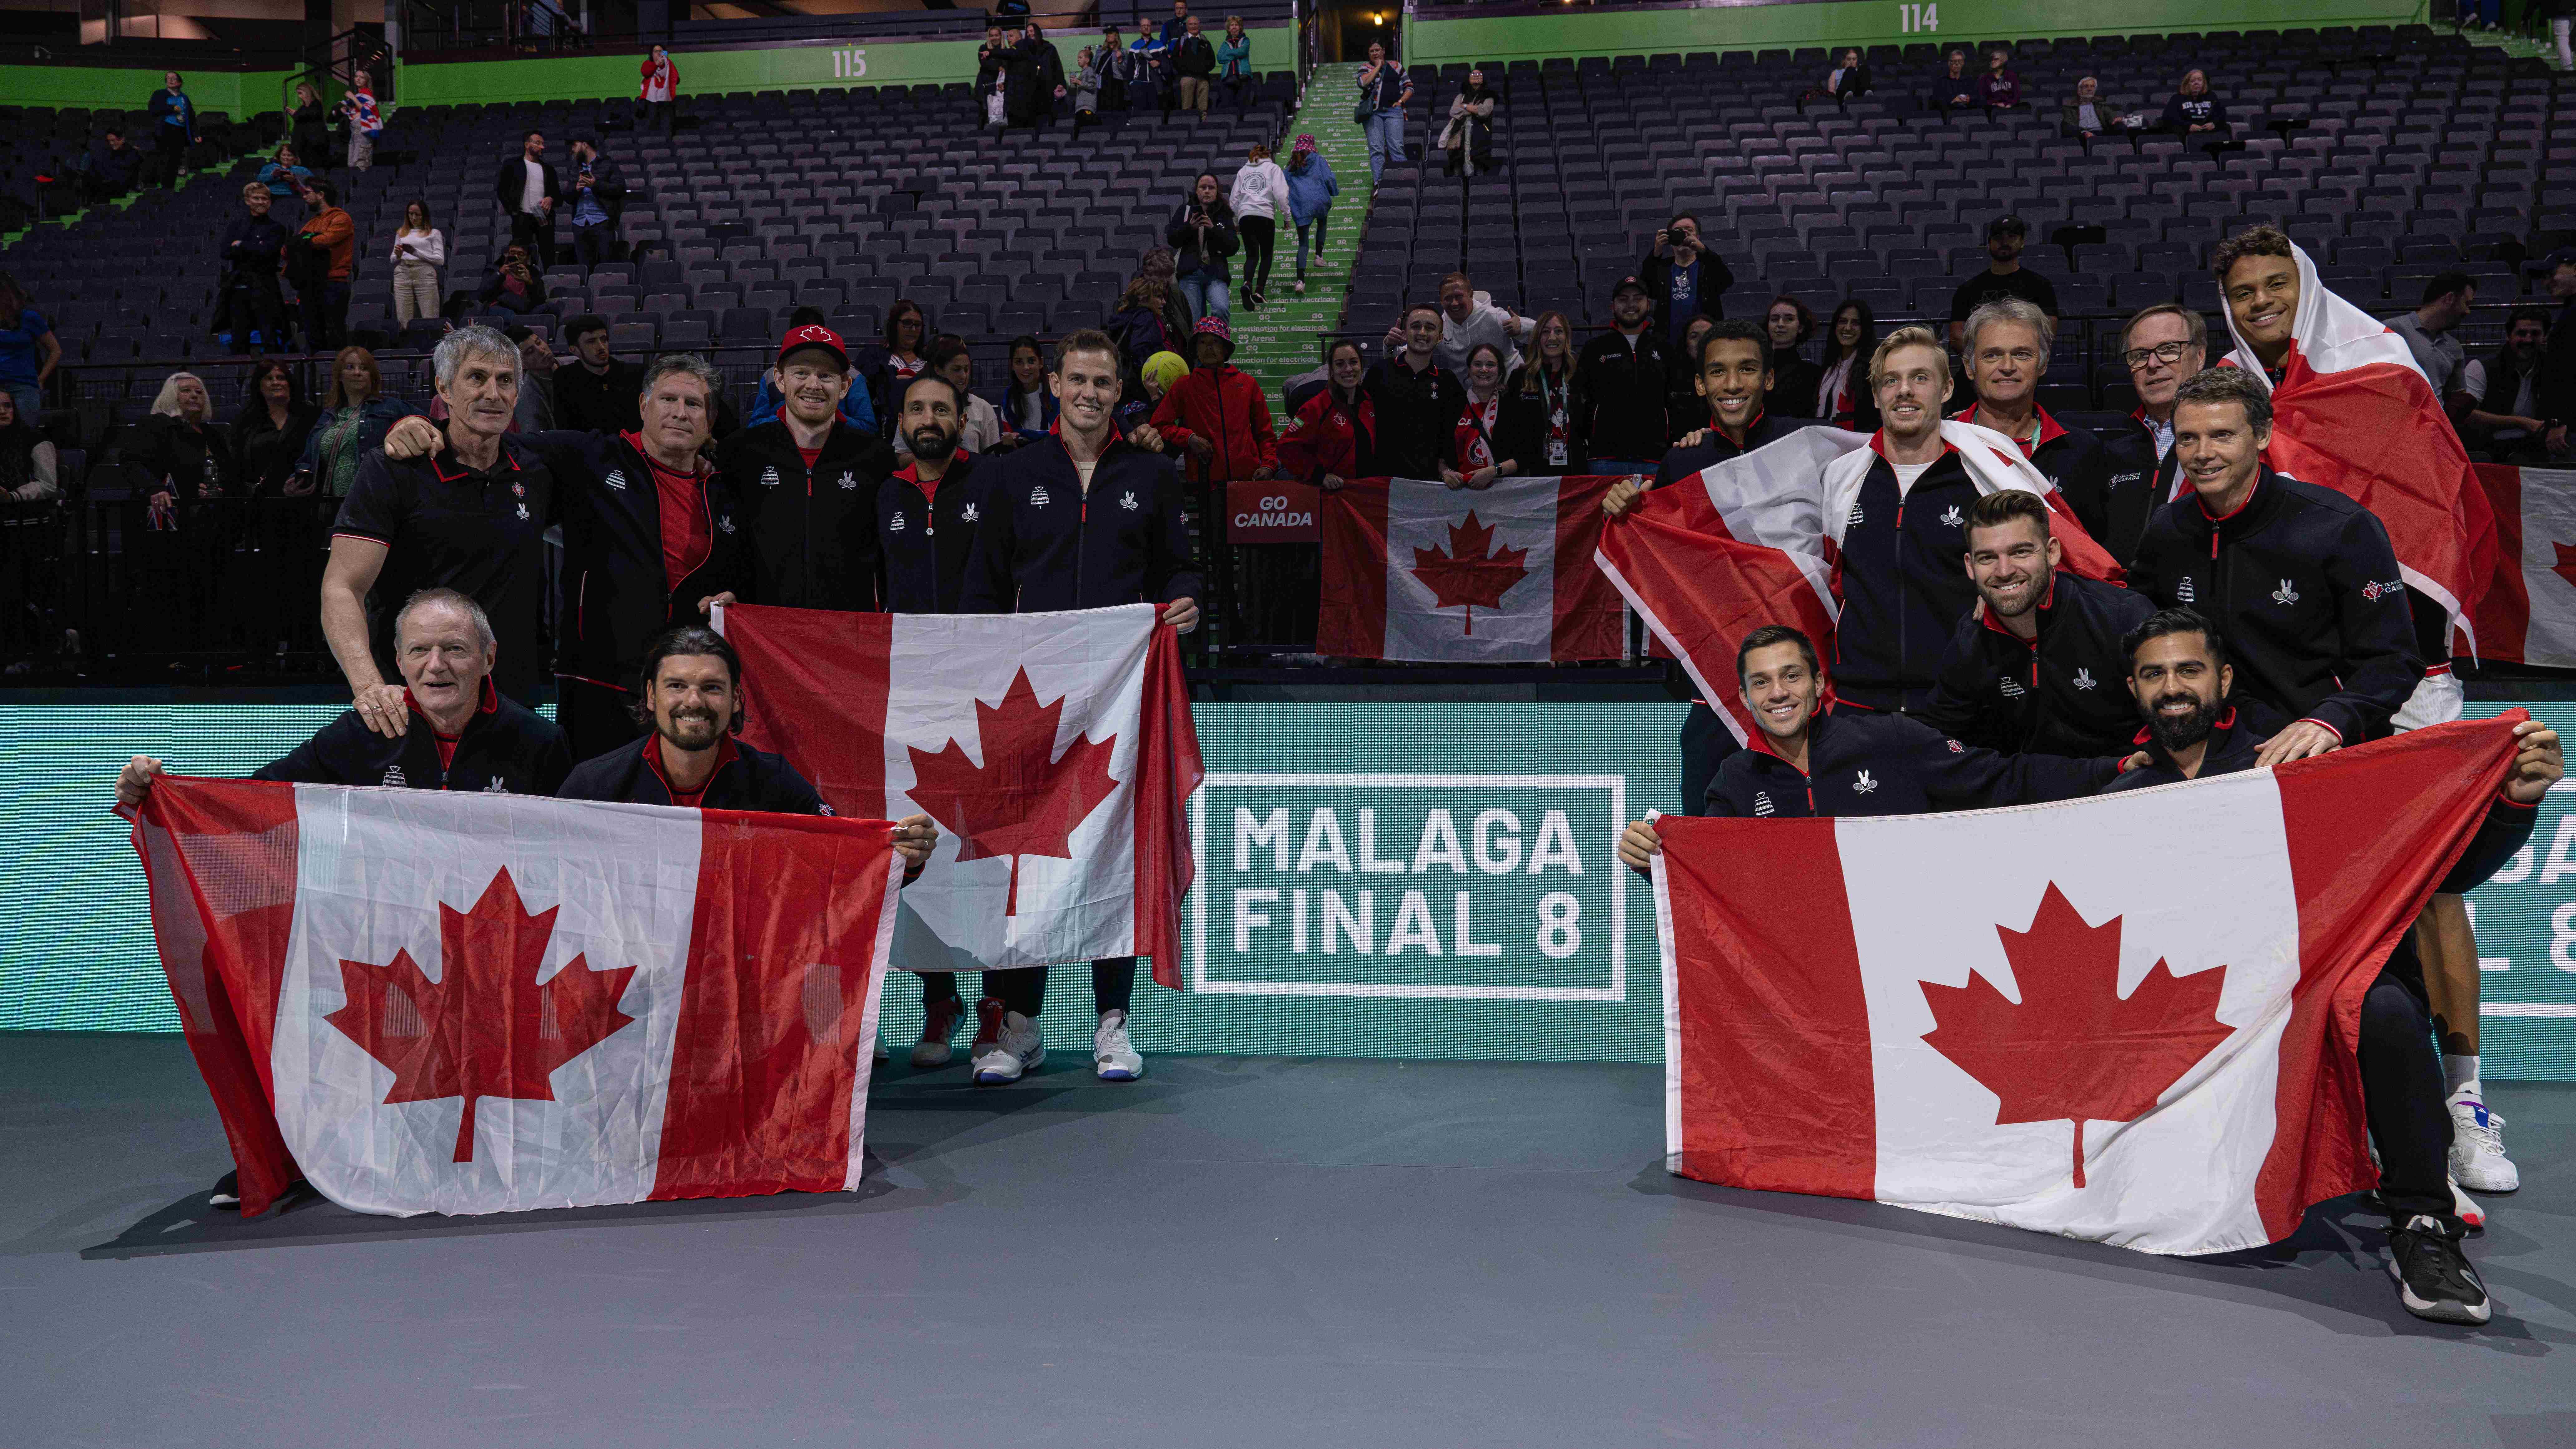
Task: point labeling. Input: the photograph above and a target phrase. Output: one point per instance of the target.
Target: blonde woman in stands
(420, 259)
(1538, 402)
(1259, 199)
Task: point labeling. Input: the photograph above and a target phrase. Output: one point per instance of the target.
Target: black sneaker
(2434, 1278)
(227, 1193)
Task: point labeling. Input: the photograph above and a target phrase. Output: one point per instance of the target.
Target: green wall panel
(237, 93)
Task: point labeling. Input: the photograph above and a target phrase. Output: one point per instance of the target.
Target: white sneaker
(2466, 1209)
(938, 1029)
(883, 1055)
(1113, 1057)
(2477, 1143)
(1007, 1044)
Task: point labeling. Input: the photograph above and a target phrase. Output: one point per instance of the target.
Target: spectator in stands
(889, 365)
(1793, 377)
(1998, 86)
(2503, 409)
(1468, 138)
(2003, 277)
(1157, 377)
(1683, 278)
(1311, 189)
(1386, 88)
(805, 487)
(1086, 88)
(324, 255)
(529, 190)
(1537, 426)
(1193, 67)
(247, 299)
(1332, 425)
(420, 260)
(1217, 416)
(2194, 111)
(2556, 387)
(29, 351)
(1415, 401)
(1480, 458)
(1954, 89)
(1202, 234)
(1032, 78)
(1842, 380)
(598, 200)
(1178, 25)
(113, 167)
(2089, 113)
(1234, 64)
(2428, 330)
(537, 365)
(2006, 353)
(356, 412)
(2561, 16)
(992, 60)
(1028, 404)
(1847, 81)
(1259, 198)
(30, 470)
(284, 176)
(598, 393)
(1116, 65)
(1151, 56)
(311, 133)
(659, 95)
(1621, 387)
(174, 127)
(980, 428)
(514, 285)
(858, 409)
(1142, 323)
(1468, 317)
(271, 430)
(365, 124)
(179, 447)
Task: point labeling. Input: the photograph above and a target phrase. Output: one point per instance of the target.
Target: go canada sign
(1504, 887)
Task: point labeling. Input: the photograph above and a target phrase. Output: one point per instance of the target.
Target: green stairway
(1280, 340)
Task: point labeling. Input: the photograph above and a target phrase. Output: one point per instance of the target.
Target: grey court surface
(1235, 1252)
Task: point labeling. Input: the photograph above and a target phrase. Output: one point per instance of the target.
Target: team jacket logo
(1855, 515)
(2083, 679)
(725, 523)
(1864, 784)
(496, 787)
(394, 776)
(2375, 590)
(1761, 803)
(2119, 478)
(896, 526)
(969, 515)
(523, 510)
(849, 480)
(1956, 748)
(616, 479)
(2011, 687)
(2285, 595)
(2182, 590)
(1128, 500)
(769, 476)
(1954, 517)
(1037, 497)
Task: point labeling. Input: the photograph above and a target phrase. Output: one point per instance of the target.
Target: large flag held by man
(1755, 540)
(1056, 751)
(470, 1003)
(1419, 570)
(2527, 614)
(1997, 1015)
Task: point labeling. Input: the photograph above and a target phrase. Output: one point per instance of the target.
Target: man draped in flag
(2356, 414)
(2179, 675)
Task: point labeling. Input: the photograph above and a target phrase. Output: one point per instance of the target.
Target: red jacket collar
(2049, 431)
(1750, 424)
(489, 703)
(2217, 518)
(726, 754)
(635, 440)
(1878, 445)
(439, 461)
(908, 472)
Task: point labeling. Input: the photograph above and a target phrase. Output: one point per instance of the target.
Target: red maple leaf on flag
(485, 1028)
(2073, 1047)
(1024, 799)
(1465, 574)
(2565, 568)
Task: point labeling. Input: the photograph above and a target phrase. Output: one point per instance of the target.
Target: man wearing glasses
(2162, 345)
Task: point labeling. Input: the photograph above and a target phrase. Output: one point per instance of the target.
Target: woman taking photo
(420, 259)
(514, 285)
(1480, 460)
(1538, 402)
(284, 176)
(1843, 395)
(1259, 199)
(355, 414)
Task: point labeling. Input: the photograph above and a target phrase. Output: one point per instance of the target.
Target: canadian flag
(1420, 570)
(1997, 1015)
(2527, 614)
(1056, 751)
(428, 1002)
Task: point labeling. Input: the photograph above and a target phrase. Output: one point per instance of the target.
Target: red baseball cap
(812, 335)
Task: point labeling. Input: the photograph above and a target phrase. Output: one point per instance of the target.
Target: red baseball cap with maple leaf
(814, 335)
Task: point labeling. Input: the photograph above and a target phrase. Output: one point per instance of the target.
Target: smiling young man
(1082, 519)
(1620, 387)
(1903, 589)
(2034, 667)
(805, 486)
(1415, 402)
(2006, 352)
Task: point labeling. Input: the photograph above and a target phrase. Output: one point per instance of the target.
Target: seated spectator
(113, 166)
(2004, 277)
(1143, 323)
(180, 449)
(420, 260)
(29, 350)
(1480, 459)
(355, 415)
(1683, 278)
(2503, 409)
(1953, 89)
(1793, 377)
(1028, 404)
(1468, 317)
(1259, 197)
(979, 429)
(1311, 189)
(1844, 396)
(29, 469)
(889, 366)
(598, 393)
(1331, 429)
(515, 285)
(1999, 87)
(1469, 136)
(284, 177)
(271, 430)
(1234, 64)
(1538, 402)
(2428, 330)
(2194, 111)
(1846, 82)
(1217, 416)
(2089, 113)
(858, 409)
(1202, 235)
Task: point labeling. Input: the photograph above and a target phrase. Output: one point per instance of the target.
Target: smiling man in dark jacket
(1903, 587)
(805, 484)
(1620, 380)
(1414, 403)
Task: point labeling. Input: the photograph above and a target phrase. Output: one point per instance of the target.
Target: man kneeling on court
(690, 696)
(477, 739)
(2179, 675)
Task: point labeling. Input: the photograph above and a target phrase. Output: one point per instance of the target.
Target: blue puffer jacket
(1311, 189)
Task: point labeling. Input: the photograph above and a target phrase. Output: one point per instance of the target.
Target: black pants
(1260, 244)
(594, 717)
(324, 309)
(1706, 742)
(535, 233)
(592, 245)
(1113, 986)
(253, 302)
(662, 113)
(2401, 1093)
(169, 152)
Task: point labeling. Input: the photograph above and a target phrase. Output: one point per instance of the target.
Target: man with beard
(2030, 669)
(1039, 549)
(2163, 345)
(2180, 676)
(805, 484)
(2004, 277)
(597, 393)
(2503, 407)
(1903, 589)
(2006, 353)
(1619, 387)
